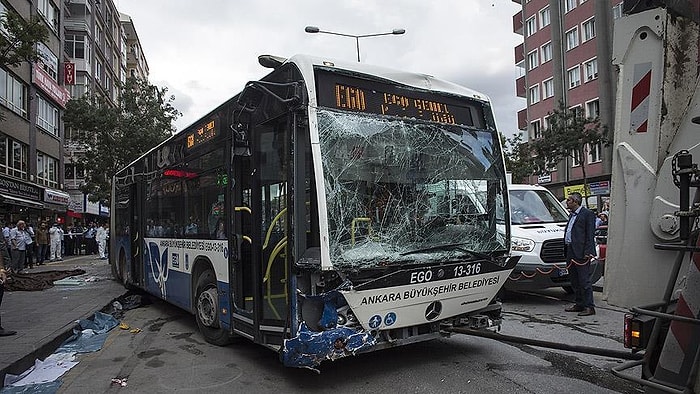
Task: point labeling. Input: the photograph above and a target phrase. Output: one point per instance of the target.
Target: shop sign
(56, 197)
(546, 178)
(76, 203)
(20, 189)
(92, 207)
(599, 188)
(104, 210)
(576, 188)
(47, 85)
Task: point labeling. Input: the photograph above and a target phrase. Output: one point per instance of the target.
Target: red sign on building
(69, 73)
(47, 85)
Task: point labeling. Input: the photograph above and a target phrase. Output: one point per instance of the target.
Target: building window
(617, 11)
(593, 109)
(594, 152)
(544, 17)
(535, 129)
(546, 52)
(530, 27)
(590, 69)
(532, 60)
(98, 71)
(46, 170)
(3, 12)
(534, 94)
(47, 116)
(569, 5)
(74, 171)
(574, 77)
(13, 157)
(548, 88)
(572, 39)
(13, 93)
(74, 46)
(49, 12)
(98, 34)
(588, 29)
(575, 158)
(47, 60)
(545, 123)
(81, 86)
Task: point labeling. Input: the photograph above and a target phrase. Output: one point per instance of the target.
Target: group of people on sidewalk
(23, 242)
(25, 246)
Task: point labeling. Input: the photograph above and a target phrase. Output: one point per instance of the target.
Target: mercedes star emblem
(433, 310)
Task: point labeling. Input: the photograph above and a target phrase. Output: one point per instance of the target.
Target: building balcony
(520, 90)
(71, 24)
(522, 119)
(518, 23)
(519, 54)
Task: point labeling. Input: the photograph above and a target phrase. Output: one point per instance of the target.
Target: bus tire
(207, 308)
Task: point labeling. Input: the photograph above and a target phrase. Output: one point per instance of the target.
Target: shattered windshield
(402, 190)
(535, 207)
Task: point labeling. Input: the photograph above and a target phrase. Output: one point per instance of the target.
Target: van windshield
(534, 207)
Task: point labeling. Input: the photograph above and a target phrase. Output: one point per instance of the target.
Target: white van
(538, 222)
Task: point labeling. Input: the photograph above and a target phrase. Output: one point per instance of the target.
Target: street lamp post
(314, 29)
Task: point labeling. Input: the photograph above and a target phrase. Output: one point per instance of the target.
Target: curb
(45, 348)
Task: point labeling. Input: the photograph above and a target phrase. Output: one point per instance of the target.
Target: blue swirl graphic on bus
(159, 265)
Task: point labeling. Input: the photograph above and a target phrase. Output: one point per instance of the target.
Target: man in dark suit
(580, 250)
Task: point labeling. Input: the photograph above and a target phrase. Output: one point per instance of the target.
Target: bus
(327, 209)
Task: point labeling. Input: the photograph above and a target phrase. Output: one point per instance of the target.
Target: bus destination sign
(361, 95)
(202, 134)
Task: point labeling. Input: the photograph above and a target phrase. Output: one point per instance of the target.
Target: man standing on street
(101, 236)
(56, 235)
(20, 240)
(580, 250)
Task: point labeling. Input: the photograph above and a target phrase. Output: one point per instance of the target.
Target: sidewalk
(44, 319)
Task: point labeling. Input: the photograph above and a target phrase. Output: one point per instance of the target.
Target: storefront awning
(21, 201)
(75, 214)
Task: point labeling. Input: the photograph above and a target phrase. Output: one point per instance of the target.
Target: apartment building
(101, 49)
(32, 100)
(566, 57)
(91, 47)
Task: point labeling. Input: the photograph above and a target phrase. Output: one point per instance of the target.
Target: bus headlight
(518, 244)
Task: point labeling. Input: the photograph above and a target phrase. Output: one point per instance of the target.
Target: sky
(205, 51)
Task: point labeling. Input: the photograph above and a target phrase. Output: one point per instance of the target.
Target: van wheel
(207, 310)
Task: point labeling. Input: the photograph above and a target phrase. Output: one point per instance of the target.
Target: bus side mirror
(241, 145)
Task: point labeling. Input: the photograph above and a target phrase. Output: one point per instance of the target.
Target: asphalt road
(170, 355)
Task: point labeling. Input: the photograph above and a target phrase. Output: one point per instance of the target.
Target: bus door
(260, 198)
(128, 239)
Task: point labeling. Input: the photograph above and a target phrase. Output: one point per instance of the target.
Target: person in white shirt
(101, 236)
(56, 235)
(20, 241)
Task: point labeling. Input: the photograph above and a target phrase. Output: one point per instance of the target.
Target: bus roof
(416, 80)
(306, 64)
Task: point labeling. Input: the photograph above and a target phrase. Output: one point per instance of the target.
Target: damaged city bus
(326, 210)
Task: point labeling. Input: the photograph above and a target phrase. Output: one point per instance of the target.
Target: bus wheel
(207, 310)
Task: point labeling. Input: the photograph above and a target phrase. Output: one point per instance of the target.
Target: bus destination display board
(355, 94)
(203, 133)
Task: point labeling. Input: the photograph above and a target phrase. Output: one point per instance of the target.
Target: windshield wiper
(457, 246)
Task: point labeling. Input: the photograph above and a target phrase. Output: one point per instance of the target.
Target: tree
(569, 134)
(517, 157)
(18, 39)
(114, 136)
(18, 43)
